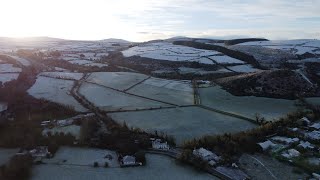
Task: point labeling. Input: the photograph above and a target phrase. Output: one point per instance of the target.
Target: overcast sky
(140, 20)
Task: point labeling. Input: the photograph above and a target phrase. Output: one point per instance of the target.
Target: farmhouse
(157, 144)
(205, 154)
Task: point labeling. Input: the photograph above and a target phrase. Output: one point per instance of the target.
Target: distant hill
(114, 40)
(34, 39)
(273, 83)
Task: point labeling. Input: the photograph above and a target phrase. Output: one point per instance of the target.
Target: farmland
(110, 100)
(55, 90)
(248, 106)
(175, 92)
(116, 80)
(155, 167)
(183, 123)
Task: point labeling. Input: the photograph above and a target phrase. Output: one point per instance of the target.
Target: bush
(106, 164)
(18, 168)
(95, 164)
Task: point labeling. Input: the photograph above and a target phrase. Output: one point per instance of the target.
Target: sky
(141, 20)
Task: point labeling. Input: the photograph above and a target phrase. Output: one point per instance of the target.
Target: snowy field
(246, 68)
(55, 90)
(8, 68)
(72, 129)
(111, 100)
(83, 157)
(247, 106)
(293, 46)
(170, 52)
(157, 168)
(6, 154)
(171, 91)
(7, 77)
(226, 60)
(183, 123)
(63, 75)
(116, 80)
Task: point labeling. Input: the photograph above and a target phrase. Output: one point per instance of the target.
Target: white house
(205, 154)
(266, 145)
(128, 160)
(157, 144)
(65, 122)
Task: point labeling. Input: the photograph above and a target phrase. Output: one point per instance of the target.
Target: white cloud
(97, 19)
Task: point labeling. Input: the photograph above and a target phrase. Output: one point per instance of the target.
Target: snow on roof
(203, 152)
(291, 153)
(285, 140)
(315, 135)
(306, 145)
(129, 159)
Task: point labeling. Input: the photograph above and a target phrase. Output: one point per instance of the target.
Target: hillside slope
(275, 83)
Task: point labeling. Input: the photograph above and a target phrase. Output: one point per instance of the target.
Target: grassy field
(157, 168)
(183, 123)
(55, 90)
(247, 106)
(111, 100)
(175, 92)
(6, 154)
(83, 157)
(116, 80)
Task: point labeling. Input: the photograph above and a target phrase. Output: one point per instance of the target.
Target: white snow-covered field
(55, 90)
(183, 123)
(246, 68)
(84, 157)
(171, 91)
(170, 52)
(6, 154)
(7, 77)
(116, 80)
(3, 106)
(63, 75)
(226, 60)
(9, 68)
(72, 129)
(295, 46)
(157, 168)
(111, 100)
(247, 106)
